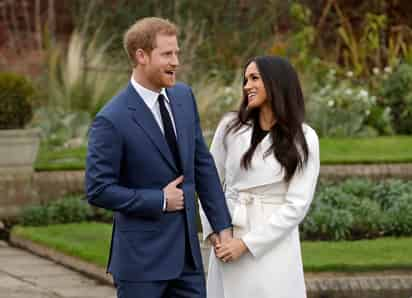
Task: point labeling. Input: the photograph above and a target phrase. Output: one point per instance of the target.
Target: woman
(268, 162)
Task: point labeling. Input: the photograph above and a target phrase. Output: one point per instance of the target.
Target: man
(146, 159)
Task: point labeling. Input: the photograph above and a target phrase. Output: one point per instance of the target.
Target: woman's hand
(231, 250)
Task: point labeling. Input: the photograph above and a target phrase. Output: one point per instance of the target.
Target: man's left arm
(208, 185)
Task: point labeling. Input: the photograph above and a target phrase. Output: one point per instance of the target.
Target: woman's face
(253, 86)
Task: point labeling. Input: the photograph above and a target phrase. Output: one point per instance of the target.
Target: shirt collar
(148, 96)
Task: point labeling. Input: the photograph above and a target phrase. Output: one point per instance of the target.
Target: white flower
(376, 70)
(348, 91)
(349, 74)
(363, 93)
(387, 69)
(331, 103)
(367, 112)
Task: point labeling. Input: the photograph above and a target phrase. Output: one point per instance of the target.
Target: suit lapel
(142, 115)
(179, 118)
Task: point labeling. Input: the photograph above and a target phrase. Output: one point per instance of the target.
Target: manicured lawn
(62, 159)
(362, 255)
(396, 149)
(90, 241)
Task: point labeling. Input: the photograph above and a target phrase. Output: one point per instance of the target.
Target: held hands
(174, 195)
(231, 250)
(226, 247)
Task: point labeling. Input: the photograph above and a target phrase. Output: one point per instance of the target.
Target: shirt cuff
(164, 203)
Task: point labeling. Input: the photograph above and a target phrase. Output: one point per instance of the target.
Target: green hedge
(359, 209)
(65, 210)
(396, 149)
(349, 210)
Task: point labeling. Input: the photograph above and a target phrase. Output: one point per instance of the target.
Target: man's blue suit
(128, 165)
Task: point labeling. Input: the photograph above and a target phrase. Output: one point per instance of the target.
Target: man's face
(159, 67)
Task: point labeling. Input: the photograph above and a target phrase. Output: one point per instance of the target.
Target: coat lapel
(265, 168)
(142, 115)
(179, 118)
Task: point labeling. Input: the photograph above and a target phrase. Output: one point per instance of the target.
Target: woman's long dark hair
(285, 96)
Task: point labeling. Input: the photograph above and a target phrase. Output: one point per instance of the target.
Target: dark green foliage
(103, 215)
(388, 192)
(396, 93)
(327, 223)
(358, 209)
(35, 215)
(66, 210)
(15, 101)
(367, 219)
(357, 187)
(227, 32)
(399, 216)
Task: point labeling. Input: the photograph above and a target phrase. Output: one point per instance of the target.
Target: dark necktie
(169, 131)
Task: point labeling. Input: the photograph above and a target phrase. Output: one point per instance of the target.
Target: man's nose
(175, 60)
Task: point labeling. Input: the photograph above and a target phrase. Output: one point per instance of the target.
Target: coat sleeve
(297, 201)
(104, 157)
(218, 151)
(207, 181)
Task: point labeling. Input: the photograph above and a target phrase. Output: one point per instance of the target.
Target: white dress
(266, 213)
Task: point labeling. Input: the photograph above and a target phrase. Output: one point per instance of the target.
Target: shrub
(359, 208)
(102, 215)
(66, 210)
(338, 107)
(388, 192)
(69, 209)
(15, 101)
(399, 216)
(357, 187)
(367, 219)
(35, 215)
(396, 93)
(326, 222)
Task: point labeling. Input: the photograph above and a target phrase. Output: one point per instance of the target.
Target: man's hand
(231, 250)
(214, 239)
(174, 195)
(225, 235)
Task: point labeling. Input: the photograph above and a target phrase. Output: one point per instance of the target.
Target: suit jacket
(128, 165)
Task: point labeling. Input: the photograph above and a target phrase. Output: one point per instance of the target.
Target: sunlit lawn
(396, 149)
(90, 241)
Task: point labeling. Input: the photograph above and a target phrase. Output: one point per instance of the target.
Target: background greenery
(394, 149)
(354, 59)
(347, 210)
(91, 241)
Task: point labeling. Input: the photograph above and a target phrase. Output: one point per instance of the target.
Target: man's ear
(141, 57)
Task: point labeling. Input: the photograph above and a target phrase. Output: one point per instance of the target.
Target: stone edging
(372, 171)
(76, 264)
(361, 285)
(386, 284)
(40, 187)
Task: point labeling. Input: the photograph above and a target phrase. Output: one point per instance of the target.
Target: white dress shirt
(150, 99)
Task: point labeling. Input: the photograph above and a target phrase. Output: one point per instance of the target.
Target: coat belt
(246, 202)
